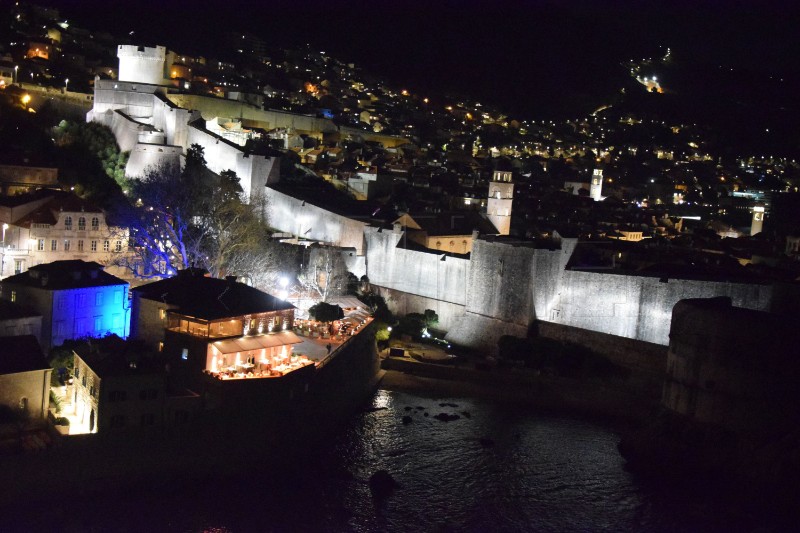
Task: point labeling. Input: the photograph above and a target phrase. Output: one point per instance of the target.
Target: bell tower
(596, 187)
(758, 219)
(501, 195)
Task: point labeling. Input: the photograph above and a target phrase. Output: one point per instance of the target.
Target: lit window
(185, 354)
(40, 245)
(162, 314)
(13, 296)
(81, 224)
(66, 245)
(106, 245)
(160, 346)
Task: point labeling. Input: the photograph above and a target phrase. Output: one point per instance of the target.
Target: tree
(193, 217)
(325, 312)
(325, 273)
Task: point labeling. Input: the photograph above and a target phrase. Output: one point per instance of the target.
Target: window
(98, 298)
(53, 245)
(67, 223)
(118, 396)
(83, 381)
(118, 297)
(116, 321)
(77, 371)
(106, 246)
(40, 245)
(98, 323)
(94, 246)
(148, 419)
(148, 394)
(66, 245)
(13, 296)
(18, 266)
(160, 346)
(81, 224)
(92, 391)
(185, 354)
(80, 246)
(162, 314)
(118, 246)
(95, 223)
(117, 421)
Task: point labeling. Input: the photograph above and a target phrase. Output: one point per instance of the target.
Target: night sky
(535, 59)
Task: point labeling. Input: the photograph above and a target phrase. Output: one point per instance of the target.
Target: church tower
(758, 220)
(596, 187)
(501, 194)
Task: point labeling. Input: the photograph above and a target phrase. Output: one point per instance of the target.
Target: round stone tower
(141, 64)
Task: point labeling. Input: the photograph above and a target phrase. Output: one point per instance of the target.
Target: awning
(256, 342)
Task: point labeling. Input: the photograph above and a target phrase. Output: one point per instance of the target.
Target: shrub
(62, 421)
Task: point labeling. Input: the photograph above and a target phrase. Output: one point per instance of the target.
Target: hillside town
(240, 215)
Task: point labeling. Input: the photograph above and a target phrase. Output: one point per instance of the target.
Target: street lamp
(66, 83)
(16, 73)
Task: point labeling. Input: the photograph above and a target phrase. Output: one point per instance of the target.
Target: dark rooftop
(208, 298)
(113, 356)
(21, 354)
(70, 274)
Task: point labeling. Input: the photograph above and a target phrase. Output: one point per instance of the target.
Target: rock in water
(407, 420)
(444, 417)
(382, 484)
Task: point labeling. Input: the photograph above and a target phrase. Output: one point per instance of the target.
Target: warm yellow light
(26, 98)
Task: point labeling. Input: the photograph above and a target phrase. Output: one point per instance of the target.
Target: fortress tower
(501, 195)
(596, 187)
(141, 64)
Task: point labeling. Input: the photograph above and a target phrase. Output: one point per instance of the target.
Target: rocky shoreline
(582, 398)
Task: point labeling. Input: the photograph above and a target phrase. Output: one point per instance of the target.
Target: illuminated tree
(324, 272)
(192, 217)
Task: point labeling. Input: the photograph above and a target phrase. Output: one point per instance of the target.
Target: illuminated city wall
(292, 215)
(413, 281)
(520, 284)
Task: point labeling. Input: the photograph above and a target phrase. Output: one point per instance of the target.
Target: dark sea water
(531, 472)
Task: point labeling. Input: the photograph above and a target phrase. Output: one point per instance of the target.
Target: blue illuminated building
(76, 299)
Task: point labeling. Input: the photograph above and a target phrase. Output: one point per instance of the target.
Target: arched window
(95, 223)
(68, 223)
(81, 224)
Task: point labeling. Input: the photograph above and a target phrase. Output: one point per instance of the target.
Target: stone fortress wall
(156, 131)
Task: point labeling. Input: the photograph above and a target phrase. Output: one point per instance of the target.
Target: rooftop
(21, 354)
(68, 274)
(197, 295)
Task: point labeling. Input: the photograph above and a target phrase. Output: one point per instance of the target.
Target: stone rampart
(401, 303)
(429, 274)
(298, 217)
